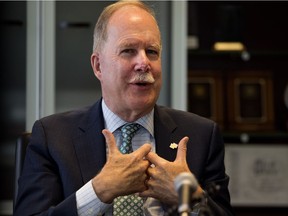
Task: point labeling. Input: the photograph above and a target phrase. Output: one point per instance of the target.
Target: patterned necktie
(130, 205)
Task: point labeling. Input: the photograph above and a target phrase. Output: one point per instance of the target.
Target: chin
(142, 104)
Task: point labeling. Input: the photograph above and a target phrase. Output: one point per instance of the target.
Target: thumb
(143, 150)
(182, 149)
(110, 140)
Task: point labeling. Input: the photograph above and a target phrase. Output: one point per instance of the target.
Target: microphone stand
(212, 190)
(204, 209)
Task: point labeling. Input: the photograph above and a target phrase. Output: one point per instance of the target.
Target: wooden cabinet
(261, 69)
(243, 91)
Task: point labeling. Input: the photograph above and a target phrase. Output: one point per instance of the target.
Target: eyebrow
(136, 44)
(156, 45)
(128, 44)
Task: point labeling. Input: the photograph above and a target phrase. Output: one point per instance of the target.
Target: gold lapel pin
(173, 146)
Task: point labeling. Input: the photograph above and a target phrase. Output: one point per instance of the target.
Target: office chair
(20, 151)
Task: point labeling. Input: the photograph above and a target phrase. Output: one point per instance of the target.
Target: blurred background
(226, 61)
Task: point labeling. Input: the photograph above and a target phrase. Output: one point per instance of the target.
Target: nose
(142, 62)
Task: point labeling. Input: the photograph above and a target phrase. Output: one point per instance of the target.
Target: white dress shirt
(87, 201)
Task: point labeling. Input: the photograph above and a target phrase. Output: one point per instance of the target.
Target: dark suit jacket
(68, 149)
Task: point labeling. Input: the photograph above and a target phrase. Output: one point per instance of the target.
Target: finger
(149, 189)
(153, 158)
(110, 140)
(143, 150)
(146, 193)
(151, 171)
(182, 149)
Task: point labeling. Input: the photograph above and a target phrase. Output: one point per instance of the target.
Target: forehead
(128, 11)
(132, 19)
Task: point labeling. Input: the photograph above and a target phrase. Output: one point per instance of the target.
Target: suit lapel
(164, 130)
(90, 145)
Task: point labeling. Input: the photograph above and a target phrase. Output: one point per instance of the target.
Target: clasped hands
(141, 171)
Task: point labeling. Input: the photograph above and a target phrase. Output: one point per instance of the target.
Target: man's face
(130, 64)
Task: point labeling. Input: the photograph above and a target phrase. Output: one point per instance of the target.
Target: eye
(152, 52)
(128, 51)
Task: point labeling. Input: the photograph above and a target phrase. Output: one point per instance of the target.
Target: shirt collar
(113, 122)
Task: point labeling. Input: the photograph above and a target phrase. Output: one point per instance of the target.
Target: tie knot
(128, 131)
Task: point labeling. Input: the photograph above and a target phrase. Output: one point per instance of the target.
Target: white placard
(258, 174)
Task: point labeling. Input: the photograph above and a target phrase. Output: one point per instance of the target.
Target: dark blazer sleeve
(41, 190)
(66, 150)
(205, 152)
(215, 181)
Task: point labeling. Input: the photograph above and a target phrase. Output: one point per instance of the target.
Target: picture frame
(205, 90)
(250, 101)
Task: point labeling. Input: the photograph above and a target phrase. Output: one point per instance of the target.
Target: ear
(95, 63)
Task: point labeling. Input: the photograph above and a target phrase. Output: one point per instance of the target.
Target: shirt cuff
(88, 203)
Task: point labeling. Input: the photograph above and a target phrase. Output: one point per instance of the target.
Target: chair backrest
(20, 151)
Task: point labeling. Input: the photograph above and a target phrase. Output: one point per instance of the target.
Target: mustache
(143, 77)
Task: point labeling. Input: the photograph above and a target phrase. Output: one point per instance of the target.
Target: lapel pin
(173, 146)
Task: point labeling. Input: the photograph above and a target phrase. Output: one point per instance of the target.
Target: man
(70, 171)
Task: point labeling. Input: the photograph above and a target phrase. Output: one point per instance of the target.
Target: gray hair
(100, 30)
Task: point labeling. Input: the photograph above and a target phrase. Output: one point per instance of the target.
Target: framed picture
(258, 174)
(250, 101)
(205, 94)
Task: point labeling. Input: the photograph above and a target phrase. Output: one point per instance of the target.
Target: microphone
(185, 184)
